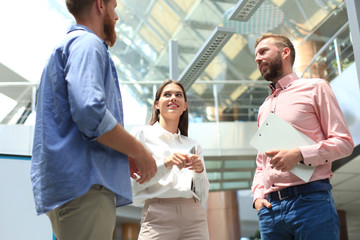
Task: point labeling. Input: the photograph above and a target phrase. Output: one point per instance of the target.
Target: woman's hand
(177, 159)
(194, 163)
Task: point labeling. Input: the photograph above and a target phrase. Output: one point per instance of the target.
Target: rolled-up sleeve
(85, 73)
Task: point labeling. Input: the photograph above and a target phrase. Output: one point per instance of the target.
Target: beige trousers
(173, 219)
(91, 216)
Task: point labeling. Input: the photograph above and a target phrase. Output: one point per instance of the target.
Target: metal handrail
(326, 45)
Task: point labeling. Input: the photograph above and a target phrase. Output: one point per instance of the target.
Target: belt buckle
(280, 197)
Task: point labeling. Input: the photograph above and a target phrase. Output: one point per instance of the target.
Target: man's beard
(275, 69)
(109, 30)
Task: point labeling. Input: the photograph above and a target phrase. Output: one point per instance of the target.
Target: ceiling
(146, 27)
(20, 91)
(230, 88)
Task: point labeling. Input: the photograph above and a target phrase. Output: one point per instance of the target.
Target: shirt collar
(160, 131)
(79, 27)
(284, 82)
(84, 28)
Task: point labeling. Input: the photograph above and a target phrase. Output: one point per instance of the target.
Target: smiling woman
(174, 196)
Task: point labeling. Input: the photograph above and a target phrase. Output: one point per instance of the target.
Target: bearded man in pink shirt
(288, 207)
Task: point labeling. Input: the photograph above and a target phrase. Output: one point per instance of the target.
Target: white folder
(276, 133)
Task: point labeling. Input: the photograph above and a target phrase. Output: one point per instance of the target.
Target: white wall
(16, 139)
(18, 219)
(346, 89)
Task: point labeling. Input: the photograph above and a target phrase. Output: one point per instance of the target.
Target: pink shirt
(310, 106)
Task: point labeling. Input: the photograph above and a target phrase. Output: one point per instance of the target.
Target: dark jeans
(309, 216)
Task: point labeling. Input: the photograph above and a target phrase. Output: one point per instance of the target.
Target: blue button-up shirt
(79, 100)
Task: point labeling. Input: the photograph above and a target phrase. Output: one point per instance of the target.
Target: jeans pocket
(261, 211)
(315, 197)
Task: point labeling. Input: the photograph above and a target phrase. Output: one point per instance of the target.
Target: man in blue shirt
(80, 168)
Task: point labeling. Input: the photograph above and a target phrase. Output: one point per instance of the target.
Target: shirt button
(326, 160)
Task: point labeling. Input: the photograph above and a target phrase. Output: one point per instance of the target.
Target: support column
(130, 231)
(353, 11)
(305, 51)
(304, 54)
(343, 225)
(223, 216)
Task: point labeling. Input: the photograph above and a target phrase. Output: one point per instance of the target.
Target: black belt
(293, 191)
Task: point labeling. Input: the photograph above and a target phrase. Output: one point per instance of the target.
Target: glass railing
(17, 102)
(208, 101)
(333, 57)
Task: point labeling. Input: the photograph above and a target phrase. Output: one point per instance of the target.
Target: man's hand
(145, 166)
(284, 160)
(120, 140)
(134, 170)
(260, 203)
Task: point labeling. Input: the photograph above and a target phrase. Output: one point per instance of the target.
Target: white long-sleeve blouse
(167, 183)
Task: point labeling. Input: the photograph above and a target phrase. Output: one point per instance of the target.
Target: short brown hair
(76, 7)
(184, 118)
(280, 41)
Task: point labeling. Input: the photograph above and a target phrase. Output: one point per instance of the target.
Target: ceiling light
(173, 60)
(244, 9)
(213, 45)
